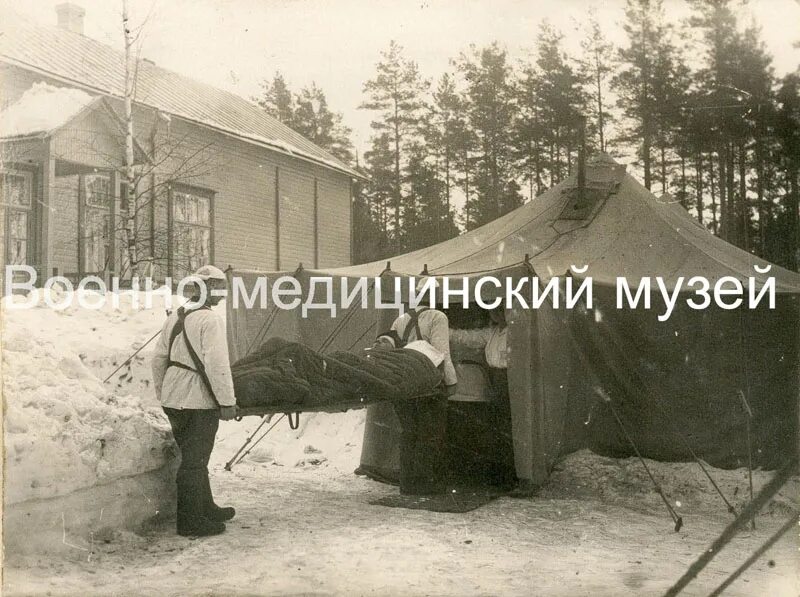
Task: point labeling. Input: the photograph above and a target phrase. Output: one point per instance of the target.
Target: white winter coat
(179, 388)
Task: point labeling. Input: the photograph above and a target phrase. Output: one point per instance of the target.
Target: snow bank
(41, 109)
(584, 475)
(64, 428)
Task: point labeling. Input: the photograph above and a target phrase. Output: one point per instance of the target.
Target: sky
(236, 44)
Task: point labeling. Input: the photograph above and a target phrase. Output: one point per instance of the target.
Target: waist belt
(180, 365)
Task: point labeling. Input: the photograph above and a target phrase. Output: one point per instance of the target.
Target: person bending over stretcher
(424, 422)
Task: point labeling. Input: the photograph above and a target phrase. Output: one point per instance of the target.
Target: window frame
(173, 223)
(86, 210)
(29, 211)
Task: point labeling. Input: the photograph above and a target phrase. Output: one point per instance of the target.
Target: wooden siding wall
(242, 177)
(64, 201)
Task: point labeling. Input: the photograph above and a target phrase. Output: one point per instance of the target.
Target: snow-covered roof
(42, 109)
(98, 68)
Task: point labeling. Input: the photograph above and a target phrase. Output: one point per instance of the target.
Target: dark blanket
(282, 374)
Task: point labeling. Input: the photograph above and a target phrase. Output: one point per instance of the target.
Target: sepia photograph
(390, 298)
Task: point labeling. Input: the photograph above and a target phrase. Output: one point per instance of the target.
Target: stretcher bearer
(192, 378)
(496, 354)
(424, 422)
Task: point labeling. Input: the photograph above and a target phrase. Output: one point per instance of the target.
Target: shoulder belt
(414, 315)
(199, 368)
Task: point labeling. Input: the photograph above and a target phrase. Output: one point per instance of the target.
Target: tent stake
(592, 338)
(675, 518)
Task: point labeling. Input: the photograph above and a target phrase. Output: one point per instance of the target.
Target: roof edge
(344, 169)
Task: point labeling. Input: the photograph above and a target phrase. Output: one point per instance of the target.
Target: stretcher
(292, 413)
(474, 386)
(338, 407)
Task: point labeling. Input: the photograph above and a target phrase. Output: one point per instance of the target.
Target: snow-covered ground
(304, 522)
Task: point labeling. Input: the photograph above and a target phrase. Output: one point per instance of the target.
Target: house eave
(233, 134)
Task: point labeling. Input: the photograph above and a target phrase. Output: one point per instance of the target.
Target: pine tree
(735, 84)
(447, 135)
(788, 136)
(314, 120)
(396, 93)
(559, 103)
(670, 86)
(491, 107)
(597, 63)
(429, 218)
(721, 105)
(528, 132)
(369, 242)
(634, 84)
(379, 191)
(277, 100)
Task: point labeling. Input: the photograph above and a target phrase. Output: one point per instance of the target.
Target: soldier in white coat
(192, 378)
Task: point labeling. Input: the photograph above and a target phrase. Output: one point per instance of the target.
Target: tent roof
(627, 232)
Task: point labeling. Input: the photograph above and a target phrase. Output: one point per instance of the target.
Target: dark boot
(191, 519)
(211, 510)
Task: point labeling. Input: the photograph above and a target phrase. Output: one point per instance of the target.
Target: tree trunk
(794, 217)
(466, 190)
(130, 177)
(684, 196)
(730, 194)
(700, 187)
(762, 216)
(723, 199)
(557, 164)
(538, 166)
(447, 178)
(600, 118)
(714, 216)
(744, 208)
(646, 145)
(397, 190)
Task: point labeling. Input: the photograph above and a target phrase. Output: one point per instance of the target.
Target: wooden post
(352, 200)
(316, 223)
(170, 233)
(46, 232)
(81, 225)
(277, 219)
(116, 186)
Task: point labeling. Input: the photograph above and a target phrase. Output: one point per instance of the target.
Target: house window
(191, 230)
(97, 223)
(16, 196)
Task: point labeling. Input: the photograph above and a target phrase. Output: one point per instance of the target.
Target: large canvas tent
(681, 386)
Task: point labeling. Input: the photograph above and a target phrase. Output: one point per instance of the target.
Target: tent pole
(788, 526)
(748, 419)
